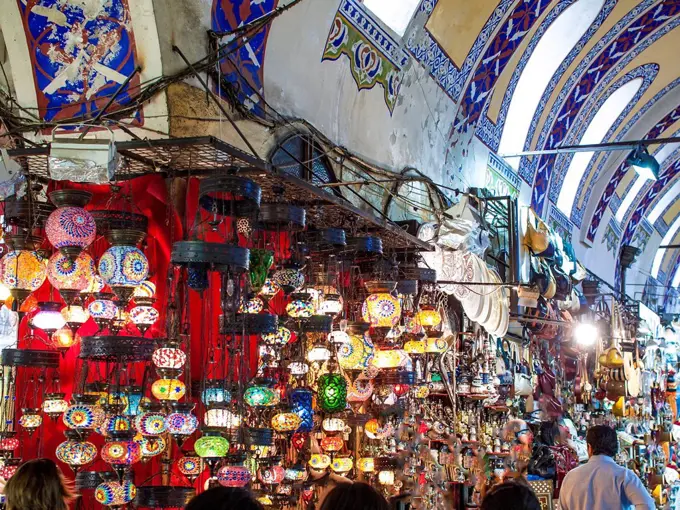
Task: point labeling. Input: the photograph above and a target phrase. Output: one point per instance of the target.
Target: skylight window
(598, 127)
(551, 50)
(396, 14)
(630, 196)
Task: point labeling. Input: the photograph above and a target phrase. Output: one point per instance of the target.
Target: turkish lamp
(103, 310)
(124, 266)
(115, 494)
(366, 465)
(333, 425)
(269, 289)
(121, 451)
(281, 336)
(339, 337)
(319, 353)
(10, 467)
(251, 306)
(586, 334)
(75, 316)
(70, 228)
(181, 423)
(215, 393)
(429, 318)
(75, 452)
(94, 286)
(219, 416)
(300, 306)
(63, 339)
(169, 359)
(170, 389)
(332, 392)
(143, 314)
(234, 476)
(331, 304)
(386, 477)
(151, 421)
(69, 276)
(22, 270)
(8, 444)
(48, 318)
(319, 461)
(30, 419)
(342, 465)
(381, 308)
(298, 368)
(190, 466)
(151, 445)
(261, 396)
(54, 405)
(146, 289)
(212, 446)
(5, 293)
(289, 278)
(286, 422)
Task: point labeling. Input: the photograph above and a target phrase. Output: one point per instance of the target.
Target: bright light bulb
(586, 333)
(4, 292)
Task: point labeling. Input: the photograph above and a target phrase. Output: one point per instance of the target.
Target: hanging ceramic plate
(486, 294)
(496, 298)
(467, 274)
(451, 269)
(473, 304)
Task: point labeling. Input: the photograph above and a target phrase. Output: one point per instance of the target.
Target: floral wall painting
(81, 53)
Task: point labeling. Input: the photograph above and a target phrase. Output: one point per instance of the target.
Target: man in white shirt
(601, 483)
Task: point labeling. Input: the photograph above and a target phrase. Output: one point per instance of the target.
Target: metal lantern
(75, 452)
(332, 393)
(54, 405)
(168, 389)
(234, 476)
(70, 276)
(123, 268)
(22, 272)
(181, 423)
(381, 309)
(286, 422)
(281, 336)
(301, 404)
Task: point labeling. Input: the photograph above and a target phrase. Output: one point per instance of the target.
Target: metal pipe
(596, 147)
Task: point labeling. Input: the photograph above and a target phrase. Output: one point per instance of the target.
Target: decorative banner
(375, 58)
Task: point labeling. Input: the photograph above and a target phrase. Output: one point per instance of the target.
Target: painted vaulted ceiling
(443, 86)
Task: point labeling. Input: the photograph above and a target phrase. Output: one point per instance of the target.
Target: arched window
(598, 127)
(552, 49)
(299, 156)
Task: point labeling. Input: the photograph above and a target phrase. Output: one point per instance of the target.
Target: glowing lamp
(366, 465)
(63, 339)
(392, 358)
(251, 306)
(76, 453)
(301, 404)
(169, 358)
(296, 473)
(289, 279)
(339, 337)
(181, 423)
(30, 419)
(70, 276)
(331, 304)
(49, 317)
(150, 423)
(54, 405)
(114, 423)
(332, 443)
(22, 272)
(286, 422)
(333, 425)
(261, 396)
(121, 452)
(386, 477)
(436, 345)
(70, 230)
(260, 263)
(215, 395)
(9, 444)
(221, 418)
(83, 416)
(342, 465)
(168, 389)
(151, 445)
(143, 316)
(271, 475)
(75, 316)
(429, 318)
(95, 285)
(190, 466)
(211, 446)
(123, 268)
(103, 310)
(357, 353)
(10, 467)
(4, 292)
(145, 289)
(300, 307)
(381, 309)
(270, 288)
(332, 392)
(281, 336)
(234, 476)
(115, 494)
(319, 461)
(415, 347)
(318, 353)
(298, 368)
(265, 500)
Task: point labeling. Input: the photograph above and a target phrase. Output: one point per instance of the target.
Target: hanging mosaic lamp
(318, 353)
(234, 476)
(333, 425)
(342, 465)
(75, 316)
(386, 477)
(428, 317)
(8, 444)
(190, 466)
(151, 422)
(114, 422)
(22, 272)
(390, 358)
(251, 306)
(70, 276)
(83, 414)
(48, 318)
(103, 310)
(54, 405)
(215, 394)
(332, 444)
(218, 416)
(261, 396)
(358, 352)
(70, 228)
(281, 336)
(319, 461)
(301, 400)
(168, 389)
(75, 452)
(211, 445)
(146, 289)
(95, 285)
(296, 473)
(181, 423)
(331, 304)
(10, 467)
(269, 289)
(286, 422)
(151, 445)
(298, 368)
(260, 263)
(121, 449)
(114, 493)
(271, 475)
(332, 392)
(143, 314)
(169, 358)
(30, 419)
(366, 465)
(124, 266)
(63, 339)
(300, 306)
(289, 278)
(381, 309)
(339, 337)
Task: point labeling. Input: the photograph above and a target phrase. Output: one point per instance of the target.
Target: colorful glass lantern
(54, 405)
(211, 446)
(234, 476)
(270, 288)
(30, 419)
(9, 444)
(332, 443)
(281, 336)
(151, 445)
(359, 390)
(150, 423)
(70, 229)
(181, 423)
(83, 416)
(286, 422)
(143, 316)
(215, 395)
(260, 263)
(121, 452)
(298, 368)
(296, 473)
(332, 393)
(429, 318)
(251, 306)
(123, 268)
(386, 477)
(331, 304)
(319, 461)
(169, 358)
(261, 396)
(339, 337)
(415, 347)
(390, 358)
(436, 345)
(95, 285)
(115, 494)
(49, 317)
(76, 453)
(70, 276)
(300, 307)
(22, 272)
(342, 465)
(103, 310)
(318, 353)
(271, 475)
(217, 416)
(63, 339)
(145, 289)
(75, 316)
(366, 465)
(381, 309)
(301, 404)
(333, 425)
(10, 467)
(357, 353)
(168, 389)
(289, 279)
(190, 466)
(114, 423)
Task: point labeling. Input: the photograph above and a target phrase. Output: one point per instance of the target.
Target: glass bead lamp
(151, 422)
(181, 423)
(70, 276)
(146, 289)
(332, 392)
(143, 314)
(300, 306)
(286, 422)
(381, 309)
(30, 419)
(190, 465)
(261, 396)
(429, 318)
(22, 272)
(301, 404)
(54, 405)
(123, 268)
(48, 318)
(75, 452)
(281, 336)
(169, 358)
(115, 494)
(120, 449)
(168, 389)
(289, 278)
(234, 476)
(215, 394)
(70, 228)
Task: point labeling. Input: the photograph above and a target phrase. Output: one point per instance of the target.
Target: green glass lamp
(332, 392)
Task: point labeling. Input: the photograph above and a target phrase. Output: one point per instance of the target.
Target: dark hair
(511, 495)
(38, 485)
(224, 498)
(602, 439)
(354, 496)
(548, 433)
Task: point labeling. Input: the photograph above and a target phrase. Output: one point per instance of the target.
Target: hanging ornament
(168, 389)
(70, 276)
(70, 228)
(381, 309)
(114, 493)
(30, 419)
(181, 423)
(124, 266)
(75, 452)
(54, 405)
(290, 278)
(144, 315)
(190, 466)
(48, 318)
(22, 272)
(75, 316)
(234, 476)
(260, 263)
(332, 393)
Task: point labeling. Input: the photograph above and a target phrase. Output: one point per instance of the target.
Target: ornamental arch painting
(81, 52)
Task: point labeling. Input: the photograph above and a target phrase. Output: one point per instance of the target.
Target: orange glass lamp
(428, 317)
(381, 308)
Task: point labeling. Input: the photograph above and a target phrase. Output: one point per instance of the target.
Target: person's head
(511, 495)
(38, 485)
(224, 498)
(602, 440)
(350, 496)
